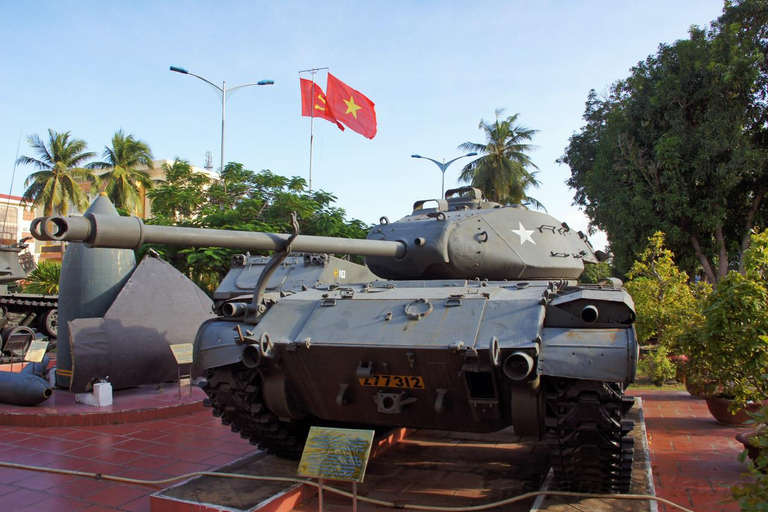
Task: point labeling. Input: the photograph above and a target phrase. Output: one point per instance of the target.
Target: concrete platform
(209, 494)
(143, 403)
(426, 468)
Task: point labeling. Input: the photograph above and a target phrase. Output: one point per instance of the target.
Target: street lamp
(443, 166)
(222, 92)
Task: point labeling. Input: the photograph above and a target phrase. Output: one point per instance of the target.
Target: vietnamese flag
(314, 104)
(351, 107)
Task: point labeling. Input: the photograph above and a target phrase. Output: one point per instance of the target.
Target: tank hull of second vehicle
(33, 310)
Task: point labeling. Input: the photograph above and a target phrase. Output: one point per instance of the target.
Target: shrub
(665, 300)
(44, 279)
(657, 366)
(730, 345)
(753, 496)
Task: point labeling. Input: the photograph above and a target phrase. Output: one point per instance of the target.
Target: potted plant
(666, 302)
(753, 495)
(657, 365)
(729, 347)
(755, 440)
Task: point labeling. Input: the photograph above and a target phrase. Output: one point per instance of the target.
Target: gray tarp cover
(156, 308)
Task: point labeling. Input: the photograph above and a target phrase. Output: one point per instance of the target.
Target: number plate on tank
(393, 381)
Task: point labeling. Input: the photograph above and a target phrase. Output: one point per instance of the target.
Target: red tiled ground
(694, 459)
(194, 442)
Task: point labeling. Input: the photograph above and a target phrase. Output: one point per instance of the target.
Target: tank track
(587, 435)
(43, 306)
(235, 396)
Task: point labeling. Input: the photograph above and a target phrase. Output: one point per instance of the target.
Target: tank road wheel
(235, 396)
(49, 324)
(587, 434)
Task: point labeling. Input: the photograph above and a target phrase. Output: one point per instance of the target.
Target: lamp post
(443, 166)
(223, 92)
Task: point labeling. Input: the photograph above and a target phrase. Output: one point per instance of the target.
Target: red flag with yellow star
(314, 104)
(351, 107)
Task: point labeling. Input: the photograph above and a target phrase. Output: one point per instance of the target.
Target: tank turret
(459, 237)
(466, 237)
(480, 324)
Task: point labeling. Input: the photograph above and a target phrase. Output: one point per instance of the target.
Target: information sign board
(336, 454)
(36, 351)
(182, 352)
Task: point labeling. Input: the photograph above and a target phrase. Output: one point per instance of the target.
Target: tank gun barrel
(131, 233)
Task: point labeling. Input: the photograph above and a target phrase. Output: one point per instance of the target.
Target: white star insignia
(524, 234)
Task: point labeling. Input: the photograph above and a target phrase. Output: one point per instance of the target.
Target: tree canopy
(503, 172)
(681, 146)
(123, 179)
(57, 183)
(251, 201)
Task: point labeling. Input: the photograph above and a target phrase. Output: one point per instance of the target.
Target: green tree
(597, 272)
(181, 196)
(681, 146)
(503, 172)
(665, 301)
(57, 184)
(252, 201)
(730, 345)
(123, 181)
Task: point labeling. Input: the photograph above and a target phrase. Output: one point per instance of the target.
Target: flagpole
(311, 130)
(311, 122)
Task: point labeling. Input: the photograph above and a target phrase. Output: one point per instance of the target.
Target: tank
(24, 309)
(479, 323)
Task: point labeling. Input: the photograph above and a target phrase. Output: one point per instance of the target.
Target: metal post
(223, 116)
(312, 119)
(442, 186)
(223, 91)
(311, 128)
(443, 166)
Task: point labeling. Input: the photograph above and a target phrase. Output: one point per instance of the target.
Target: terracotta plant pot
(753, 452)
(718, 408)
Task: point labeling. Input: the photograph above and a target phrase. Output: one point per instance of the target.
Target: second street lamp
(222, 92)
(443, 166)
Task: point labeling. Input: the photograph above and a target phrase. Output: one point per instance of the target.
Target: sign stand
(17, 344)
(182, 352)
(336, 454)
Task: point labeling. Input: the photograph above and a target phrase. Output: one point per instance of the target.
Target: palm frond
(534, 202)
(502, 174)
(26, 160)
(44, 279)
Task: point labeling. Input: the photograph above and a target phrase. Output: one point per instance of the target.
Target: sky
(433, 68)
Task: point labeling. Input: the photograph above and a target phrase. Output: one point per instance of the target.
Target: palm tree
(123, 180)
(502, 174)
(57, 183)
(44, 279)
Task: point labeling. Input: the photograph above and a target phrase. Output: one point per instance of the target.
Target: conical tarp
(130, 346)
